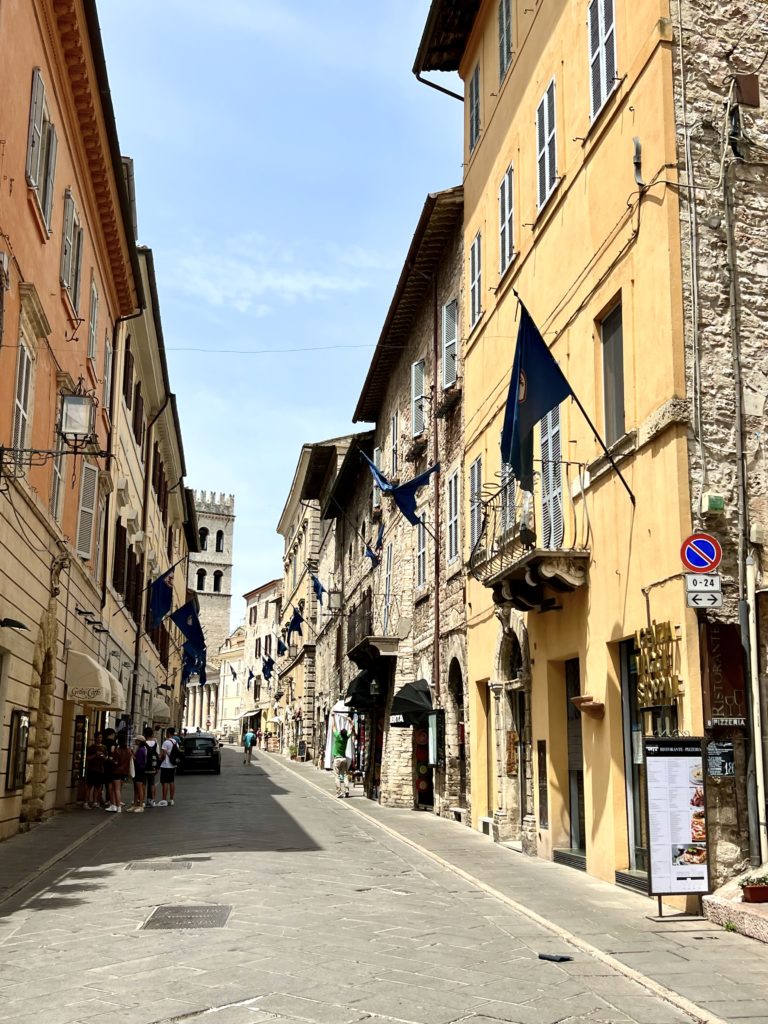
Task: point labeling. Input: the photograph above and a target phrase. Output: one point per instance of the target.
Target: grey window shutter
(107, 390)
(89, 476)
(35, 140)
(609, 46)
(551, 480)
(66, 239)
(21, 405)
(50, 173)
(551, 141)
(505, 36)
(541, 150)
(417, 397)
(503, 225)
(450, 342)
(595, 62)
(77, 268)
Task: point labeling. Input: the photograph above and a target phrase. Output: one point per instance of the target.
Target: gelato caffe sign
(658, 685)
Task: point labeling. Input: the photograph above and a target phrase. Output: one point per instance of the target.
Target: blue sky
(283, 152)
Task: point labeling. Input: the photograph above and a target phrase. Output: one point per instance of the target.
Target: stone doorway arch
(456, 735)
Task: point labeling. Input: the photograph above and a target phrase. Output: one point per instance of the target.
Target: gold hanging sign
(658, 685)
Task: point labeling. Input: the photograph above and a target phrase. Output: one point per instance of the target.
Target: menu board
(721, 762)
(677, 822)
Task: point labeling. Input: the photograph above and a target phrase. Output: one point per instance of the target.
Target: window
(475, 500)
(138, 413)
(393, 430)
(421, 554)
(602, 53)
(18, 738)
(257, 647)
(22, 399)
(376, 488)
(220, 540)
(119, 558)
(93, 321)
(475, 280)
(128, 374)
(41, 149)
(266, 610)
(551, 481)
(201, 574)
(450, 342)
(253, 613)
(387, 588)
(268, 645)
(507, 499)
(217, 576)
(474, 108)
(57, 468)
(546, 147)
(505, 37)
(612, 337)
(97, 559)
(203, 538)
(89, 477)
(294, 564)
(453, 516)
(106, 395)
(506, 222)
(71, 251)
(417, 397)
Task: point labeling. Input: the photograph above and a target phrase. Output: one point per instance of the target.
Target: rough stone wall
(214, 513)
(718, 41)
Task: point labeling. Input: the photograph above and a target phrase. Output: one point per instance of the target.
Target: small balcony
(532, 546)
(370, 631)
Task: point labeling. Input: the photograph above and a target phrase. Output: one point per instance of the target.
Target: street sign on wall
(703, 581)
(707, 599)
(701, 552)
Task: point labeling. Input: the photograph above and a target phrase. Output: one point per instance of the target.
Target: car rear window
(198, 744)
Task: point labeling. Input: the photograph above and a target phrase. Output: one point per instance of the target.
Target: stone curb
(42, 868)
(697, 1013)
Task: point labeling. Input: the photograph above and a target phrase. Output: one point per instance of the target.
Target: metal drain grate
(175, 918)
(160, 865)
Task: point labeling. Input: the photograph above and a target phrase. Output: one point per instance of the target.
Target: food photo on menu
(697, 776)
(693, 854)
(697, 796)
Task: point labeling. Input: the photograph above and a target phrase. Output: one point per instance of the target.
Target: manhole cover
(164, 865)
(180, 917)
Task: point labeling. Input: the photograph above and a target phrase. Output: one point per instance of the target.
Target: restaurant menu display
(677, 821)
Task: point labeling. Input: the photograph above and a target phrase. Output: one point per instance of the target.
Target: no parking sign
(701, 552)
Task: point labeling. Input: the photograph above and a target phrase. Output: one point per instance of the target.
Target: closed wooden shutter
(118, 561)
(35, 139)
(505, 36)
(107, 389)
(417, 397)
(21, 400)
(128, 373)
(67, 239)
(89, 478)
(77, 266)
(546, 144)
(602, 52)
(474, 108)
(450, 342)
(93, 322)
(475, 503)
(50, 174)
(551, 481)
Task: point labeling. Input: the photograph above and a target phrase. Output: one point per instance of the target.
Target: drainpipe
(437, 476)
(753, 736)
(433, 85)
(756, 711)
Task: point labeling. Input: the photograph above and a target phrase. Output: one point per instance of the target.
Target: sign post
(677, 821)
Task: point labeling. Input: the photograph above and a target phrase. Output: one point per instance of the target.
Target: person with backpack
(151, 765)
(249, 741)
(139, 775)
(171, 757)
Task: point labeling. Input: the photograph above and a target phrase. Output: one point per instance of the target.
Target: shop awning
(359, 696)
(411, 704)
(88, 682)
(117, 702)
(249, 714)
(161, 713)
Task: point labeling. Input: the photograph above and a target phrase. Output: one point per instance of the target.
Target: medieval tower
(210, 569)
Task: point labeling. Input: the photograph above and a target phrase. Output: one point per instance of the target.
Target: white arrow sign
(711, 599)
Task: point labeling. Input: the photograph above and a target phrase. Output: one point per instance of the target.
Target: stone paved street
(332, 921)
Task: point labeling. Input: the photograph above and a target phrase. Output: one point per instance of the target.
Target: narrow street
(331, 919)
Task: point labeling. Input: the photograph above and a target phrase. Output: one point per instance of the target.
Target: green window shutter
(35, 139)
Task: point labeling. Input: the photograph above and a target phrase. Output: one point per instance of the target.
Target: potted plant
(754, 888)
(292, 752)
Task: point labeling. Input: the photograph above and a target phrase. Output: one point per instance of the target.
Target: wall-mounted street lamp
(76, 430)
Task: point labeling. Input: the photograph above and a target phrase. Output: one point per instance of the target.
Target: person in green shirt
(340, 743)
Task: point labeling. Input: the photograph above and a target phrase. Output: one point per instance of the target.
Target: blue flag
(232, 670)
(160, 598)
(404, 495)
(187, 620)
(536, 387)
(294, 626)
(267, 666)
(370, 553)
(250, 679)
(318, 588)
(379, 539)
(281, 648)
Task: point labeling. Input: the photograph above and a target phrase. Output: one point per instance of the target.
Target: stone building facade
(263, 622)
(210, 568)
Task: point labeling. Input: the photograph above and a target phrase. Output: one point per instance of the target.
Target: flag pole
(608, 455)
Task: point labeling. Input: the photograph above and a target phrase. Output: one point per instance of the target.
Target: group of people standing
(110, 762)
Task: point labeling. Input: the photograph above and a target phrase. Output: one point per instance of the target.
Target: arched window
(217, 581)
(203, 539)
(201, 574)
(219, 540)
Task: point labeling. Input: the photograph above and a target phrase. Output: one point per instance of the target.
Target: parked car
(201, 753)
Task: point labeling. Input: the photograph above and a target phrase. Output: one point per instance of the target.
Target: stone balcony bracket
(587, 706)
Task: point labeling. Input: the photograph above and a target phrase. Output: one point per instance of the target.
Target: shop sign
(78, 748)
(721, 763)
(723, 675)
(436, 738)
(677, 817)
(658, 685)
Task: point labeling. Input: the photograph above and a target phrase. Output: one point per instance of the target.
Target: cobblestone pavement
(332, 921)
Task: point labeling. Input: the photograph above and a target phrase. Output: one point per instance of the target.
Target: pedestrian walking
(171, 757)
(122, 759)
(340, 746)
(151, 765)
(139, 776)
(95, 755)
(110, 743)
(248, 743)
(259, 736)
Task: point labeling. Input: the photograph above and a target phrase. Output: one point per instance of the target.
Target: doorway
(578, 835)
(457, 741)
(486, 748)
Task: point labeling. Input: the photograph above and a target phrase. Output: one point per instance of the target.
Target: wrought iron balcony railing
(534, 536)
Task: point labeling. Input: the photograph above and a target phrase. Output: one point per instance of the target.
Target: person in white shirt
(168, 767)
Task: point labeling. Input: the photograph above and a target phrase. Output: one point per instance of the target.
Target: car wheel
(217, 770)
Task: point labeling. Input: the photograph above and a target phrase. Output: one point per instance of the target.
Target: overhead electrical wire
(263, 351)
